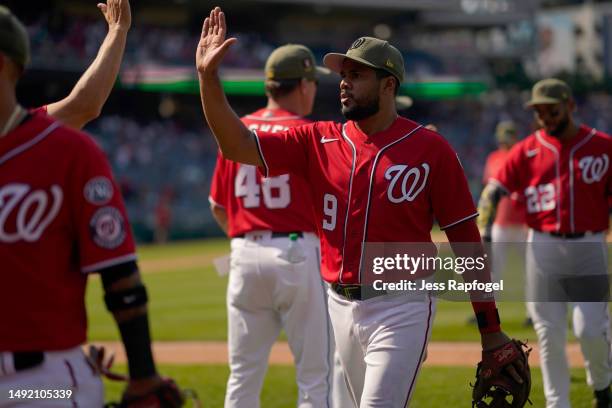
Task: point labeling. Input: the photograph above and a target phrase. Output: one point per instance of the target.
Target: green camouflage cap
(505, 132)
(372, 52)
(549, 91)
(14, 41)
(293, 61)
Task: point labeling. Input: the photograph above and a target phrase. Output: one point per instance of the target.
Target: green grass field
(437, 387)
(188, 303)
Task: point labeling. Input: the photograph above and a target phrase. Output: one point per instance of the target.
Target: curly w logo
(31, 210)
(594, 168)
(412, 182)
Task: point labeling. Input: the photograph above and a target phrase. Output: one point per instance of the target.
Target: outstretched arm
(85, 102)
(236, 142)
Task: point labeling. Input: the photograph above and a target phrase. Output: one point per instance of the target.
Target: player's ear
(9, 69)
(389, 84)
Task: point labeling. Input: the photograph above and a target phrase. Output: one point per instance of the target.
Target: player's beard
(561, 127)
(362, 110)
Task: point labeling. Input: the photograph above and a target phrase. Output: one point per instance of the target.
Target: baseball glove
(167, 395)
(495, 387)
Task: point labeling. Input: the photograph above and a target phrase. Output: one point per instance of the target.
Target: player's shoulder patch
(98, 190)
(107, 228)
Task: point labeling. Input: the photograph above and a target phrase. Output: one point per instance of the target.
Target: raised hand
(117, 14)
(213, 45)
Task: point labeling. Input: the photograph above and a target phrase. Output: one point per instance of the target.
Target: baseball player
(61, 218)
(380, 339)
(509, 226)
(562, 172)
(85, 101)
(267, 291)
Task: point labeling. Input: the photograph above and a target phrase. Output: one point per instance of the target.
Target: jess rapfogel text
(449, 285)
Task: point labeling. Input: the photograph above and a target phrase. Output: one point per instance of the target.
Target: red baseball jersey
(386, 187)
(511, 209)
(61, 217)
(254, 202)
(565, 185)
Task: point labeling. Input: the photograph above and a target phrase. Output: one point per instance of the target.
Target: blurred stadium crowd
(77, 43)
(158, 143)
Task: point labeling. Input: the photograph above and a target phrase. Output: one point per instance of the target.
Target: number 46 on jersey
(274, 190)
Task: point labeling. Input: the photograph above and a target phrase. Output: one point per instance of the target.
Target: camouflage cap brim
(334, 61)
(542, 100)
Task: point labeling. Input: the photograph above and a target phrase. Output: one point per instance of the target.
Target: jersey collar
(398, 129)
(583, 131)
(24, 135)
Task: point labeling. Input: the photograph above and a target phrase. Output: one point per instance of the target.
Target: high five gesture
(213, 45)
(235, 140)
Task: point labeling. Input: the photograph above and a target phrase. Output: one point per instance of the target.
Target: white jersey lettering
(540, 198)
(330, 209)
(247, 187)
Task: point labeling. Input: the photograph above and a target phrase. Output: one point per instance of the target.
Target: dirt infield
(439, 353)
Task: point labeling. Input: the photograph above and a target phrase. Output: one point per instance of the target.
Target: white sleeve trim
(459, 221)
(109, 262)
(213, 202)
(499, 184)
(263, 159)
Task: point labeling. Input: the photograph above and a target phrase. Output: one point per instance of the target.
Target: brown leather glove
(167, 395)
(495, 387)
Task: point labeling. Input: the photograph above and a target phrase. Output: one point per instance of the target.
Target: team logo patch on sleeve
(98, 190)
(107, 228)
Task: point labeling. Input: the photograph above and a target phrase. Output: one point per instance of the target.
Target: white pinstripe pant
(381, 342)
